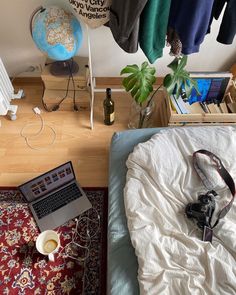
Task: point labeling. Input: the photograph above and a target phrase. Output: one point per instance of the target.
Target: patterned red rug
(24, 271)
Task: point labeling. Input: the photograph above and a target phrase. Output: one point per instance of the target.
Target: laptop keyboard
(57, 200)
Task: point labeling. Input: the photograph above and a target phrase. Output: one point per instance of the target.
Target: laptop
(55, 197)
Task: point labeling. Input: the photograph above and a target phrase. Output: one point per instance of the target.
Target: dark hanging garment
(228, 24)
(153, 28)
(190, 20)
(124, 22)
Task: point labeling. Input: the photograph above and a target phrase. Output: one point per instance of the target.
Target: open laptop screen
(47, 182)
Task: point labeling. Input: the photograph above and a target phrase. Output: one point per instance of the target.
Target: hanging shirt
(124, 22)
(228, 25)
(94, 13)
(153, 28)
(190, 20)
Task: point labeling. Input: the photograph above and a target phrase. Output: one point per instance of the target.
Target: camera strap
(223, 173)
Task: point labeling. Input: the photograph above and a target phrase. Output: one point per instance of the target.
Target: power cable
(70, 77)
(41, 129)
(82, 225)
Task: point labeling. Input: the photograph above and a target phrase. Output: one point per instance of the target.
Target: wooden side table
(56, 86)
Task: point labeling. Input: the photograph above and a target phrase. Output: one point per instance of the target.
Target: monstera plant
(139, 82)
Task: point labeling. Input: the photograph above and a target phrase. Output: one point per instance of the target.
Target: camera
(203, 210)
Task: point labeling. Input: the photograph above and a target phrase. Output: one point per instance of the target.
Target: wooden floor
(87, 149)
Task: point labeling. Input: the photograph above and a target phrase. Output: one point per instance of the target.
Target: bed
(122, 262)
(122, 265)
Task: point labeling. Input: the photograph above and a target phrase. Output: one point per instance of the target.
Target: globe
(58, 34)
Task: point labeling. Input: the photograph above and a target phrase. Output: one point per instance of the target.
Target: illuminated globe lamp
(58, 34)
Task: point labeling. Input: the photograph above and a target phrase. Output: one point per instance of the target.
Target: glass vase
(141, 116)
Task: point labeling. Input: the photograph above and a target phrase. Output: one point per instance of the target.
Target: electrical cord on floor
(73, 81)
(41, 129)
(57, 106)
(82, 225)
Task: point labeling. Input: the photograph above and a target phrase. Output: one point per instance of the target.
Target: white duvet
(161, 181)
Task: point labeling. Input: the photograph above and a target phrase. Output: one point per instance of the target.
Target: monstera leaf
(139, 81)
(179, 80)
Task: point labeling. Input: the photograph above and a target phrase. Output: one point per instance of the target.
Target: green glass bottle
(109, 108)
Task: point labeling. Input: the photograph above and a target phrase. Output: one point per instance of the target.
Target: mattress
(160, 182)
(122, 265)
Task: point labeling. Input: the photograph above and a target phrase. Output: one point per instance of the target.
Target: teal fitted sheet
(122, 265)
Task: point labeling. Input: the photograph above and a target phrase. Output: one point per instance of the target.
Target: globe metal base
(64, 68)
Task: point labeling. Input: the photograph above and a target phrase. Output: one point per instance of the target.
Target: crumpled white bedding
(161, 181)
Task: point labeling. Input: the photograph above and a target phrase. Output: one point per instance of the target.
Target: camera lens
(205, 200)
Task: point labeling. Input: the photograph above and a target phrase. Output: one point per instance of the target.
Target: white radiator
(7, 94)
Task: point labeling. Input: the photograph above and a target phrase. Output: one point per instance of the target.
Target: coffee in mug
(50, 246)
(48, 243)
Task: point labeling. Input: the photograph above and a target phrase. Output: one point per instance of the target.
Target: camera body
(203, 210)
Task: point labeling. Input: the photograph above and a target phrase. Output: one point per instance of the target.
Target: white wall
(18, 51)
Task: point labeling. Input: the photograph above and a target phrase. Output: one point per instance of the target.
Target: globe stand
(64, 68)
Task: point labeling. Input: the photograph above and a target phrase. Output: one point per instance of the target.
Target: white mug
(48, 243)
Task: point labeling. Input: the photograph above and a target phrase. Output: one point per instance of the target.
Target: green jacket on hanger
(153, 28)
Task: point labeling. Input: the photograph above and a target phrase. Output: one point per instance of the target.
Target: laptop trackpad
(62, 215)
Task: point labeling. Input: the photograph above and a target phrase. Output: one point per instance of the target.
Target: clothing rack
(92, 80)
